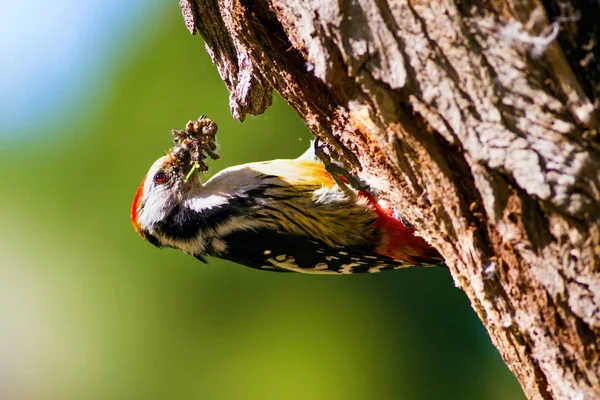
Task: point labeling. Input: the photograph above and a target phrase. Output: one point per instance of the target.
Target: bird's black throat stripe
(184, 223)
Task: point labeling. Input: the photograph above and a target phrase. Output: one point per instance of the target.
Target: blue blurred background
(89, 92)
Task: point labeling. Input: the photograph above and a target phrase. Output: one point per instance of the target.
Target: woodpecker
(279, 215)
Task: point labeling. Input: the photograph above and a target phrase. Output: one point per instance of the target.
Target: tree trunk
(479, 122)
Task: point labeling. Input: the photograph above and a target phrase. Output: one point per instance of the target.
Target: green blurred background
(89, 93)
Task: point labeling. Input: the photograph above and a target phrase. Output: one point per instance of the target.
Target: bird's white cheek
(156, 209)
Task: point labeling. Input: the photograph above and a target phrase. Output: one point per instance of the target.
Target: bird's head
(162, 190)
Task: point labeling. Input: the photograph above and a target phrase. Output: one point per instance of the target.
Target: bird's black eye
(160, 177)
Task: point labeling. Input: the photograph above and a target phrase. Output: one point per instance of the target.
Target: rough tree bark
(478, 121)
